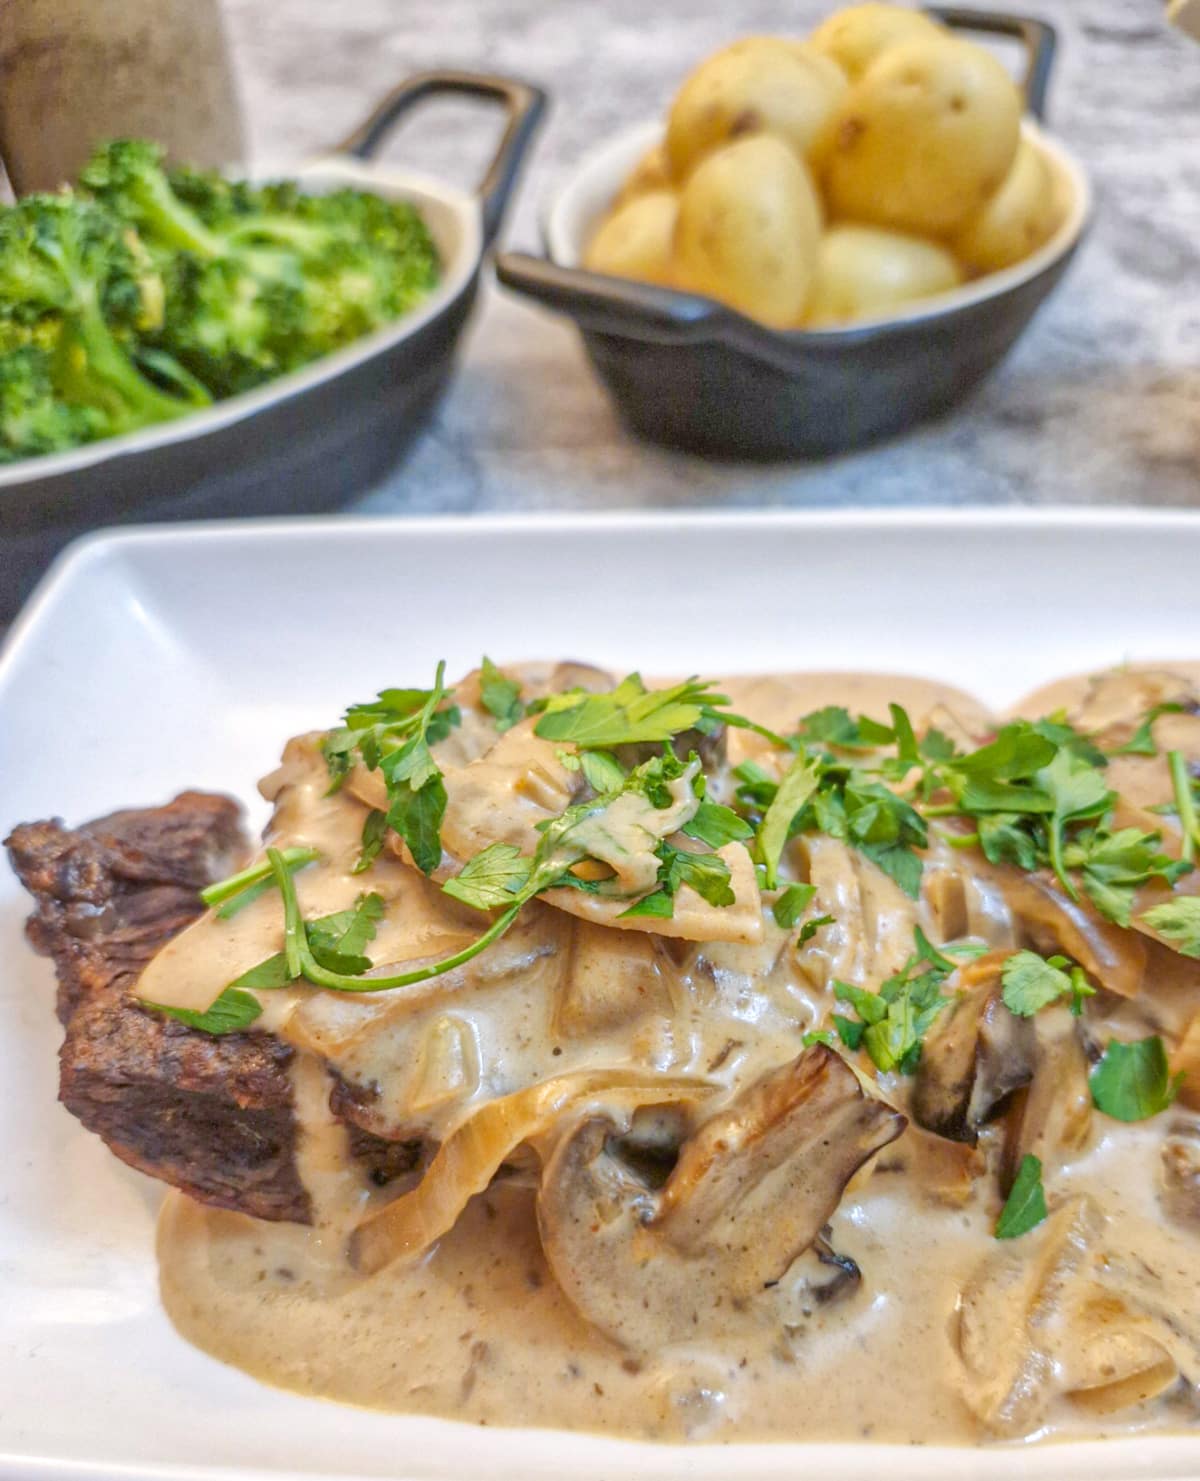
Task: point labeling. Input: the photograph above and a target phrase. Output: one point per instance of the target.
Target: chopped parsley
(232, 1013)
(1142, 742)
(1133, 1081)
(893, 1022)
(1179, 921)
(501, 697)
(792, 903)
(628, 714)
(393, 734)
(374, 831)
(1031, 982)
(1026, 1205)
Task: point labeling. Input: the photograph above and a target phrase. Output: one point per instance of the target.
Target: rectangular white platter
(182, 656)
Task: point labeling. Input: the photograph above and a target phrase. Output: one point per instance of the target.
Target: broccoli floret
(66, 260)
(33, 420)
(263, 279)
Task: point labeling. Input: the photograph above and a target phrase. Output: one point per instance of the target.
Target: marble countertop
(1099, 402)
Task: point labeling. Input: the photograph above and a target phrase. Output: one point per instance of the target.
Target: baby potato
(854, 37)
(635, 240)
(923, 138)
(650, 173)
(1016, 220)
(759, 85)
(865, 272)
(749, 223)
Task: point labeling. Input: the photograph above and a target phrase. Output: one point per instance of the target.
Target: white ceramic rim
(455, 223)
(599, 175)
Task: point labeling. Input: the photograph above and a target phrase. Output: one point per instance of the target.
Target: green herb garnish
(232, 1013)
(1179, 921)
(501, 697)
(896, 1019)
(1032, 982)
(1133, 1081)
(1026, 1205)
(239, 889)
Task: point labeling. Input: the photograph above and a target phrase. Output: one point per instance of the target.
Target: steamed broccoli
(149, 293)
(67, 269)
(33, 420)
(262, 280)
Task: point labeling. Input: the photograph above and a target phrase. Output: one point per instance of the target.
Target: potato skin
(650, 173)
(635, 240)
(759, 85)
(923, 138)
(854, 37)
(866, 272)
(1015, 221)
(749, 223)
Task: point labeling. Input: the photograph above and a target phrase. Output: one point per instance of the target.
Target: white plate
(183, 656)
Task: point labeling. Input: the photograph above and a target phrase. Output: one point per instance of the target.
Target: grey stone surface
(1099, 403)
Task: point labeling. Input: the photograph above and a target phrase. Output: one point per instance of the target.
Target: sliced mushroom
(1052, 1116)
(976, 1055)
(1062, 1311)
(752, 1188)
(1006, 1313)
(611, 978)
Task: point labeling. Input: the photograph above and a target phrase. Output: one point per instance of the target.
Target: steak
(210, 1115)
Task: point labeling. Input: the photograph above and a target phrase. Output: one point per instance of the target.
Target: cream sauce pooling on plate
(478, 1328)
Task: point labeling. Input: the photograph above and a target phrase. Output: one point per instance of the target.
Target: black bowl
(687, 371)
(310, 440)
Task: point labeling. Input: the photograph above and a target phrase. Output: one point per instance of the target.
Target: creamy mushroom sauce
(1089, 1325)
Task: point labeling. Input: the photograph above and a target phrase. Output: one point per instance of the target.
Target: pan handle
(523, 104)
(1038, 39)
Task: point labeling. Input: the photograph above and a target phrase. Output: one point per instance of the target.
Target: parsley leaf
(901, 1013)
(232, 1013)
(799, 783)
(1133, 1081)
(374, 831)
(1031, 982)
(1185, 804)
(337, 941)
(1026, 1205)
(707, 874)
(501, 697)
(394, 734)
(810, 928)
(1079, 793)
(1113, 865)
(491, 878)
(604, 773)
(1142, 742)
(626, 715)
(717, 825)
(1179, 921)
(792, 904)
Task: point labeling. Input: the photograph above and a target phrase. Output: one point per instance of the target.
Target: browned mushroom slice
(976, 1054)
(1052, 1116)
(752, 1189)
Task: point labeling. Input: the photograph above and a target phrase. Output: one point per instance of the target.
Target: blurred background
(1099, 402)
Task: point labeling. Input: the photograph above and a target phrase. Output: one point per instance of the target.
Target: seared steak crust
(211, 1115)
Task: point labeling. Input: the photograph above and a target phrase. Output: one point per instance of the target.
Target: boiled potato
(756, 86)
(864, 272)
(1016, 220)
(923, 138)
(856, 36)
(650, 173)
(749, 223)
(635, 240)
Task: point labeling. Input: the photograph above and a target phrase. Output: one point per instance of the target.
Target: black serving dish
(687, 371)
(310, 440)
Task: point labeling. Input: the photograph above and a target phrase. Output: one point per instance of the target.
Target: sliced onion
(471, 1155)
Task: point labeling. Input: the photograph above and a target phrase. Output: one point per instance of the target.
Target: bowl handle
(602, 304)
(1038, 38)
(523, 104)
